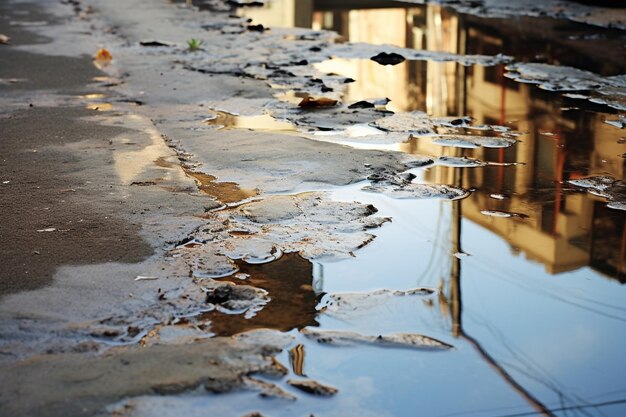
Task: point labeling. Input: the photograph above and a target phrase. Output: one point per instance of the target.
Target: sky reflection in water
(537, 312)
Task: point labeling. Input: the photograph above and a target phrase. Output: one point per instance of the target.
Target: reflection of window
(332, 20)
(545, 157)
(485, 44)
(490, 75)
(495, 75)
(608, 242)
(499, 179)
(490, 120)
(510, 84)
(547, 218)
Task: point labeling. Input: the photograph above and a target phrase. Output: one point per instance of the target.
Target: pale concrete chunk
(418, 191)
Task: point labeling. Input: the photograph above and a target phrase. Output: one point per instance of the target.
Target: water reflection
(288, 281)
(564, 138)
(223, 120)
(540, 334)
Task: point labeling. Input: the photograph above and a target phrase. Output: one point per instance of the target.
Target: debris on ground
(313, 387)
(400, 340)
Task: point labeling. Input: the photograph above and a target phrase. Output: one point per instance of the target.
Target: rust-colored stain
(226, 192)
(162, 162)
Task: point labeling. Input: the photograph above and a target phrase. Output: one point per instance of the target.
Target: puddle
(540, 296)
(96, 102)
(289, 283)
(93, 96)
(99, 106)
(223, 120)
(532, 322)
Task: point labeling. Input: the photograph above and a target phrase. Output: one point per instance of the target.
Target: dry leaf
(309, 101)
(102, 58)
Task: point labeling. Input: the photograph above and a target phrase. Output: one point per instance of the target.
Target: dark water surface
(534, 304)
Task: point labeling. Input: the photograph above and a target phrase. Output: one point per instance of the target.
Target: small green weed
(194, 44)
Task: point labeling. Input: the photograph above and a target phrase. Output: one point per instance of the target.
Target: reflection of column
(456, 306)
(525, 154)
(456, 310)
(442, 35)
(455, 273)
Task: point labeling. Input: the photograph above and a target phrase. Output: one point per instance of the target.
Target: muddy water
(288, 280)
(529, 270)
(226, 192)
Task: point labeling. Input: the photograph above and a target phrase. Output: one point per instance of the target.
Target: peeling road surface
(312, 208)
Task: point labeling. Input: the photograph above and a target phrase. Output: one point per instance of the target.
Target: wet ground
(426, 207)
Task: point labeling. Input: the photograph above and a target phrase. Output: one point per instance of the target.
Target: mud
(605, 187)
(473, 142)
(80, 385)
(351, 305)
(289, 282)
(269, 390)
(393, 54)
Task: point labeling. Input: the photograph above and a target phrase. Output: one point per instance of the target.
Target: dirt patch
(43, 192)
(73, 385)
(25, 15)
(36, 71)
(226, 192)
(44, 71)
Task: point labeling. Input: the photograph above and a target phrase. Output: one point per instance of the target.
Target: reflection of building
(282, 13)
(559, 145)
(564, 230)
(429, 86)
